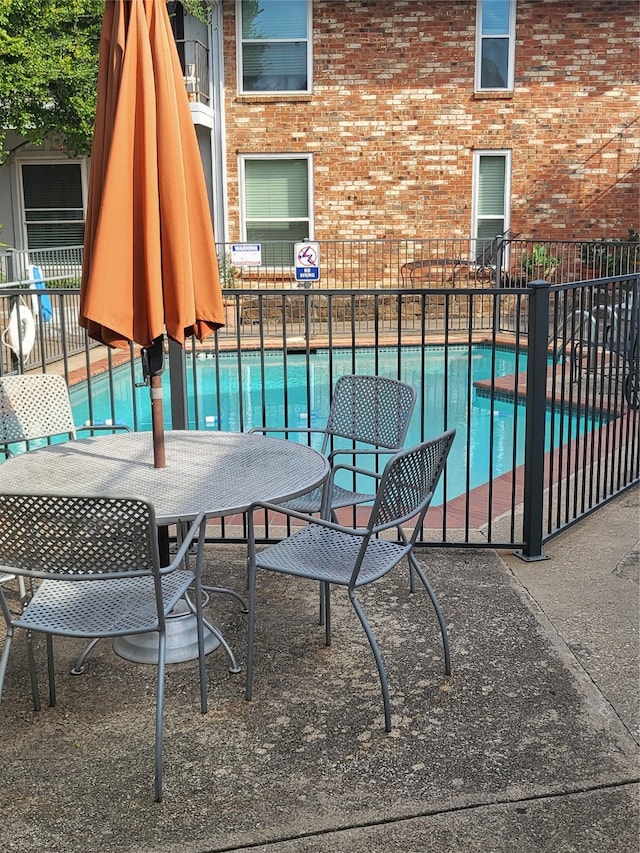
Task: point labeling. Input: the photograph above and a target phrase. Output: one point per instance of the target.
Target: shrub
(227, 272)
(539, 259)
(614, 256)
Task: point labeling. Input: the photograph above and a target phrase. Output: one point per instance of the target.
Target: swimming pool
(236, 390)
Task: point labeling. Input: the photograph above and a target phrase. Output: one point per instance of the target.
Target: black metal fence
(589, 375)
(507, 260)
(541, 381)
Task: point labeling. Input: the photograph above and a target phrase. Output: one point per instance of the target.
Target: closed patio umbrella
(149, 253)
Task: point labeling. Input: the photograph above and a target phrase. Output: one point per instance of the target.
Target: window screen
(496, 32)
(274, 46)
(53, 206)
(276, 205)
(491, 196)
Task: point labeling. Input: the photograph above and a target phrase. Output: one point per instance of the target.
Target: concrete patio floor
(533, 743)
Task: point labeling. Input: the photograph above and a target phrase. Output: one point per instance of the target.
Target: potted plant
(615, 256)
(539, 264)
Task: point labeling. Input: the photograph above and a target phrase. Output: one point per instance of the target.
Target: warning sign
(307, 260)
(246, 254)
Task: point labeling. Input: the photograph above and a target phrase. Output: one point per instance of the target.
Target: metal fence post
(535, 421)
(178, 386)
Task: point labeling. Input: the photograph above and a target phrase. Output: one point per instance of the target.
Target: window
(495, 44)
(53, 204)
(275, 45)
(276, 193)
(492, 190)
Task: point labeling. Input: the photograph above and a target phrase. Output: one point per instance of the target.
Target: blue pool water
(293, 390)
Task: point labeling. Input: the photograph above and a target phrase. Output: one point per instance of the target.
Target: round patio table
(219, 473)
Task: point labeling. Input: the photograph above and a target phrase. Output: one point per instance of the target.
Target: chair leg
(78, 669)
(412, 574)
(412, 578)
(250, 629)
(234, 668)
(324, 588)
(202, 668)
(199, 605)
(162, 657)
(221, 590)
(379, 662)
(439, 613)
(33, 675)
(326, 594)
(51, 672)
(4, 658)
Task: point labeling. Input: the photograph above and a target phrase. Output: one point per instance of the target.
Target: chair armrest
(360, 451)
(103, 428)
(287, 430)
(354, 469)
(197, 525)
(327, 497)
(310, 519)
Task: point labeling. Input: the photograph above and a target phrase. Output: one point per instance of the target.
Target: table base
(182, 640)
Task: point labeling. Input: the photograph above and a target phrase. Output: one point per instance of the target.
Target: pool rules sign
(307, 261)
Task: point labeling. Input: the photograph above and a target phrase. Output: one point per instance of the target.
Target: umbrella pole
(157, 422)
(152, 366)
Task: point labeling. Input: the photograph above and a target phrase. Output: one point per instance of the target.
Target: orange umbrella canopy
(149, 253)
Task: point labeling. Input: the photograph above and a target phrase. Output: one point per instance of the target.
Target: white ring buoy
(21, 331)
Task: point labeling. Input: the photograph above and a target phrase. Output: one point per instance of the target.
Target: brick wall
(393, 120)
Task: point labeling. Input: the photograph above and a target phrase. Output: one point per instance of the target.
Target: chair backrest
(625, 326)
(44, 536)
(488, 255)
(34, 406)
(633, 346)
(371, 409)
(408, 483)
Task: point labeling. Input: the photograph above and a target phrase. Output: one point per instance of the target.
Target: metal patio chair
(334, 554)
(373, 411)
(370, 416)
(487, 264)
(36, 406)
(97, 563)
(593, 336)
(624, 342)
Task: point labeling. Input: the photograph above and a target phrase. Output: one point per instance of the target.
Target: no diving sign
(307, 261)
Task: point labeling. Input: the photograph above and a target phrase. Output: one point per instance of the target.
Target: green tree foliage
(48, 71)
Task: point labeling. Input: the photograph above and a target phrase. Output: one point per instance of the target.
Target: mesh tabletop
(216, 472)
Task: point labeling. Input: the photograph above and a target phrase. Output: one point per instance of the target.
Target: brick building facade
(371, 120)
(393, 119)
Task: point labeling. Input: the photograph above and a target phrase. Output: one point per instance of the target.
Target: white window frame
(39, 160)
(506, 206)
(480, 37)
(282, 93)
(243, 158)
